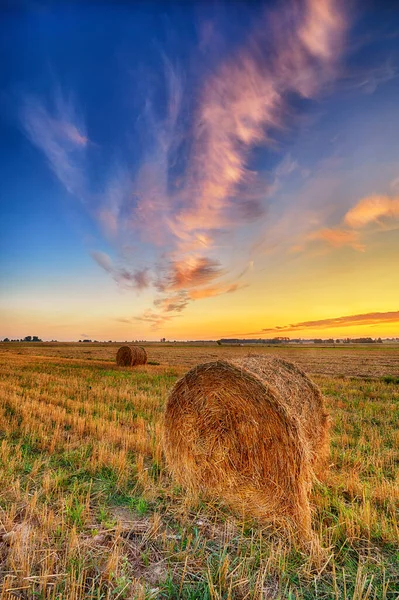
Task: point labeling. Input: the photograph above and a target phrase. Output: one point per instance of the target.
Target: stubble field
(88, 510)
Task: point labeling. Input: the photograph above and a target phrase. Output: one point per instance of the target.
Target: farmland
(88, 510)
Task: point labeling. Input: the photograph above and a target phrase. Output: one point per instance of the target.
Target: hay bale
(228, 433)
(301, 396)
(129, 356)
(124, 356)
(143, 355)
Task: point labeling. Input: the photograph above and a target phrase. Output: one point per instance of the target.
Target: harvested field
(351, 361)
(88, 510)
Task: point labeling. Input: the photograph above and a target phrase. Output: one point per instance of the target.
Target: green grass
(90, 511)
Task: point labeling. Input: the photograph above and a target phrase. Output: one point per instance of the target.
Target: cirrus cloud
(59, 132)
(365, 319)
(137, 279)
(337, 238)
(376, 209)
(372, 209)
(194, 182)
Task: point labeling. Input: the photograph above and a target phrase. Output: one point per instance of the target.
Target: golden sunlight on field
(88, 508)
(356, 361)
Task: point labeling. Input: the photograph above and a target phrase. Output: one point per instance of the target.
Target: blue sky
(167, 165)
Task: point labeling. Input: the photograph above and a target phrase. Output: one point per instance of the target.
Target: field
(88, 510)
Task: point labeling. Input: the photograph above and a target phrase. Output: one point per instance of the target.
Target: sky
(198, 170)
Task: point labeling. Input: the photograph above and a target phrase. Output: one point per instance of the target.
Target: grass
(367, 360)
(87, 509)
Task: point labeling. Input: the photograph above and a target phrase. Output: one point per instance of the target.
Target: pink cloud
(293, 50)
(371, 209)
(210, 292)
(375, 209)
(373, 318)
(365, 319)
(170, 306)
(337, 238)
(322, 29)
(194, 271)
(240, 105)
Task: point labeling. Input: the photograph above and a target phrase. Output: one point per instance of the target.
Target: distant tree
(36, 339)
(337, 341)
(6, 340)
(28, 338)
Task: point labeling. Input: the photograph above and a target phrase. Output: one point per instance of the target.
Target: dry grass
(88, 511)
(352, 361)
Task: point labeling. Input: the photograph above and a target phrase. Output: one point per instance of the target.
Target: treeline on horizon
(223, 341)
(279, 340)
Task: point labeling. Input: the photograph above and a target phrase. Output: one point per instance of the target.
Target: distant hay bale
(124, 356)
(143, 355)
(231, 433)
(129, 356)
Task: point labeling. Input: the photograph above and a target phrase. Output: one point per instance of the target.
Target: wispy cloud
(189, 272)
(245, 100)
(195, 183)
(59, 132)
(156, 320)
(169, 307)
(369, 78)
(153, 319)
(137, 279)
(369, 211)
(372, 209)
(211, 292)
(373, 318)
(337, 238)
(175, 303)
(294, 50)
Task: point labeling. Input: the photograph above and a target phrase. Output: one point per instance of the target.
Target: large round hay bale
(228, 433)
(301, 396)
(129, 356)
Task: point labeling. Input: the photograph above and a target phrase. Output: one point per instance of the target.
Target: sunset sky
(196, 170)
